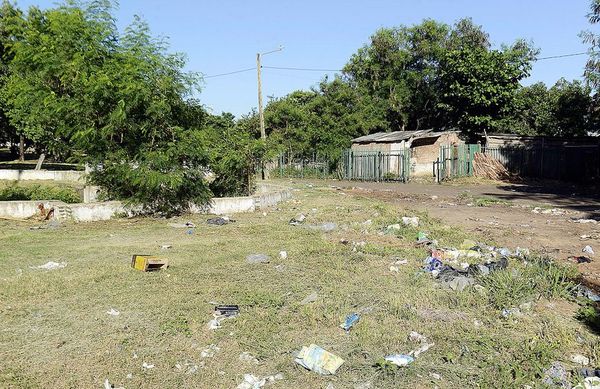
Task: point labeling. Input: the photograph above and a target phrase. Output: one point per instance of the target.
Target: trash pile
(463, 274)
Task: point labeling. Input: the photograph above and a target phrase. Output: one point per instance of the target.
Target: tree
(592, 68)
(477, 85)
(121, 103)
(400, 69)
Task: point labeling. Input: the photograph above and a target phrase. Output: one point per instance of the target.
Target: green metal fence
(455, 161)
(314, 166)
(556, 162)
(376, 165)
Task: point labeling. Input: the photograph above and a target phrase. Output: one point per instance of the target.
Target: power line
(561, 56)
(340, 70)
(302, 69)
(229, 73)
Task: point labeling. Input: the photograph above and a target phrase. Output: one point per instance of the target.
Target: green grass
(56, 333)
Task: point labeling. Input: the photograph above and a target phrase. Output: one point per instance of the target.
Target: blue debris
(350, 321)
(432, 264)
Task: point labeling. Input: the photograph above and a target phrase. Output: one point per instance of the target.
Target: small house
(423, 147)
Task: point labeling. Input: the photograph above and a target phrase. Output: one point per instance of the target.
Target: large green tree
(119, 102)
(477, 85)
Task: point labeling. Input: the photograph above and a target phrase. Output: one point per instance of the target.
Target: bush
(39, 192)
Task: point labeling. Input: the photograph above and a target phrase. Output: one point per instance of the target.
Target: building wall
(425, 151)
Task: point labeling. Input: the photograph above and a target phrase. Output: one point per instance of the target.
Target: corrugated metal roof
(390, 137)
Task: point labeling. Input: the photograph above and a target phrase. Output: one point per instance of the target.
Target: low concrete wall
(105, 210)
(96, 211)
(25, 209)
(41, 175)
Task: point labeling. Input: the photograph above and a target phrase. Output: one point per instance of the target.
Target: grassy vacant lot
(55, 331)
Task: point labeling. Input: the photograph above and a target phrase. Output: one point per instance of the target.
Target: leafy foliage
(16, 192)
(119, 102)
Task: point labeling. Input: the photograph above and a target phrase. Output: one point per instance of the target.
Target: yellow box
(148, 263)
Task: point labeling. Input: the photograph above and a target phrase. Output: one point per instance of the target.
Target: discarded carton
(318, 360)
(148, 263)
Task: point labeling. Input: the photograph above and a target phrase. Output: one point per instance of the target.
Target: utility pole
(261, 114)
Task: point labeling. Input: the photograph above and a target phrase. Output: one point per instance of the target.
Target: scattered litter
(401, 262)
(166, 247)
(585, 221)
(367, 223)
(258, 258)
(589, 383)
(182, 225)
(210, 351)
(318, 360)
(247, 358)
(350, 321)
(297, 220)
(283, 254)
(130, 376)
(51, 266)
(222, 312)
(113, 312)
(147, 366)
(219, 221)
(508, 312)
(253, 382)
(227, 310)
(579, 259)
(410, 221)
(552, 211)
(588, 372)
(190, 367)
(416, 337)
(556, 375)
(400, 359)
(423, 240)
(393, 227)
(356, 246)
(279, 267)
(434, 197)
(394, 269)
(148, 263)
(421, 349)
(311, 298)
(580, 359)
(584, 291)
(433, 264)
(344, 241)
(435, 376)
(588, 250)
(107, 385)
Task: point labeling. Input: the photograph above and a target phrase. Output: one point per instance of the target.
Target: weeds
(16, 192)
(540, 277)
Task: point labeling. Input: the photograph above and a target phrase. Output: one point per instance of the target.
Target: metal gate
(376, 165)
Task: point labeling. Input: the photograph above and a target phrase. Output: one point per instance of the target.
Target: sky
(224, 36)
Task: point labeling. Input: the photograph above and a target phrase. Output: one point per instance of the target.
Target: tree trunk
(21, 148)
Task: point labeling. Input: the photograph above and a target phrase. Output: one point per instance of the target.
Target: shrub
(39, 192)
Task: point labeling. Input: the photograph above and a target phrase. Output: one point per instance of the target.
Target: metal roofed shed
(419, 148)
